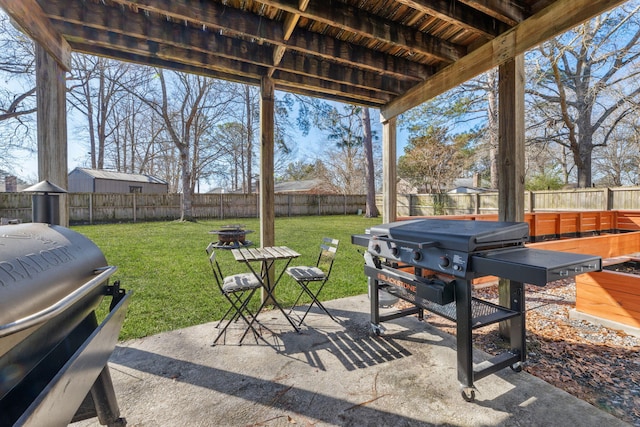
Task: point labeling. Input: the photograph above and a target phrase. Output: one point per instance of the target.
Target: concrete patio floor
(329, 374)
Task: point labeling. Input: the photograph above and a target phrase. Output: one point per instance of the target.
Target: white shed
(82, 180)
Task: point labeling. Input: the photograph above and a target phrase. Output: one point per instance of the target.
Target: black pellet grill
(431, 263)
(53, 352)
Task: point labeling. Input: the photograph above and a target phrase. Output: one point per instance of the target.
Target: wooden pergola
(388, 54)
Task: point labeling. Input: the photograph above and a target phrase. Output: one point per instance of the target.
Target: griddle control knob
(376, 248)
(444, 262)
(395, 251)
(417, 256)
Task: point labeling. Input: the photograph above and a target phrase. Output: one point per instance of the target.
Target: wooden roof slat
(243, 74)
(510, 12)
(345, 17)
(109, 18)
(390, 53)
(174, 40)
(459, 15)
(107, 52)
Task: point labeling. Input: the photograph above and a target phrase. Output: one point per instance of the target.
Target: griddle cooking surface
(466, 236)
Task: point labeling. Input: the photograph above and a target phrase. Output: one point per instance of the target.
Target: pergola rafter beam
(194, 47)
(508, 11)
(115, 20)
(343, 16)
(458, 14)
(203, 64)
(290, 22)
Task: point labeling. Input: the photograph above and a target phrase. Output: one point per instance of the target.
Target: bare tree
(228, 164)
(586, 84)
(17, 93)
(246, 114)
(189, 106)
(136, 142)
(96, 88)
(618, 163)
(346, 162)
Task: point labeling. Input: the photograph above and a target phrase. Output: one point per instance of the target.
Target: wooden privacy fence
(89, 208)
(535, 201)
(557, 225)
(103, 207)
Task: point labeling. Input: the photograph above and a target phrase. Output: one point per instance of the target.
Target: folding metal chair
(318, 275)
(238, 290)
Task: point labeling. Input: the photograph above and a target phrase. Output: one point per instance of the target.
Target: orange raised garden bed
(611, 295)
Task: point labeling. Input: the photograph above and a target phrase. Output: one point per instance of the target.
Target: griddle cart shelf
(483, 313)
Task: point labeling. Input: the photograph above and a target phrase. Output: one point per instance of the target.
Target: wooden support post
(511, 157)
(389, 171)
(267, 196)
(511, 140)
(51, 92)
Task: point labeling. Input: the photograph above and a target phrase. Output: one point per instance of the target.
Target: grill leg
(464, 334)
(104, 398)
(374, 300)
(517, 327)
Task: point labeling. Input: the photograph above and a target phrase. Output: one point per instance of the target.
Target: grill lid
(43, 269)
(466, 236)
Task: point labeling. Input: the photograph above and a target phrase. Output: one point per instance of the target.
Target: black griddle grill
(431, 262)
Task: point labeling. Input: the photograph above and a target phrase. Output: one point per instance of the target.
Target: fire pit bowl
(232, 236)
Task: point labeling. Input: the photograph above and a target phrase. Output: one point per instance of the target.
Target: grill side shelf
(534, 266)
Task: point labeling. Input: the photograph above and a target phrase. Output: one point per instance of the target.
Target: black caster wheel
(469, 395)
(516, 367)
(377, 329)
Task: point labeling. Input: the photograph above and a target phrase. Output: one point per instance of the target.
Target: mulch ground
(596, 364)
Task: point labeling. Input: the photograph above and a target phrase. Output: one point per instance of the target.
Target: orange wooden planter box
(610, 295)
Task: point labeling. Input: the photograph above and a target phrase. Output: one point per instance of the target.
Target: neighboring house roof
(120, 176)
(465, 189)
(463, 182)
(303, 186)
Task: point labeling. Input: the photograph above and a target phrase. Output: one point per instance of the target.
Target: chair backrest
(328, 249)
(215, 267)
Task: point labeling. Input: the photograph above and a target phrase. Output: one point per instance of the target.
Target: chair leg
(295, 304)
(238, 313)
(314, 300)
(235, 317)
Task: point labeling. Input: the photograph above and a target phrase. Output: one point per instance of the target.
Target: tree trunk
(584, 168)
(249, 111)
(371, 210)
(187, 193)
(102, 113)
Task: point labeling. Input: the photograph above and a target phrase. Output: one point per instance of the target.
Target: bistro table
(266, 256)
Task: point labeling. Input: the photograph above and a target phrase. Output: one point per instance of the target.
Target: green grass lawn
(165, 264)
